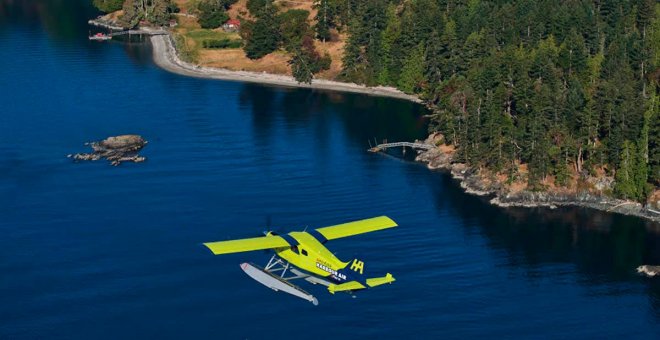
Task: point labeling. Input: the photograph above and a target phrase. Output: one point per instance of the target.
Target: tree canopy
(108, 5)
(563, 87)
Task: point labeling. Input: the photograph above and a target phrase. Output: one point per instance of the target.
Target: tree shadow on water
(604, 248)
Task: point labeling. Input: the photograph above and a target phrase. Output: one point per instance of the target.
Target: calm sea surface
(93, 251)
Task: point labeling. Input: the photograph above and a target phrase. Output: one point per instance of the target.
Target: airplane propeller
(269, 229)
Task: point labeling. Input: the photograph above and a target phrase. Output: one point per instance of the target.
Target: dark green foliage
(261, 36)
(256, 6)
(625, 176)
(221, 43)
(157, 12)
(306, 61)
(226, 3)
(289, 30)
(326, 17)
(412, 73)
(108, 6)
(293, 27)
(298, 39)
(212, 13)
(565, 87)
(654, 152)
(363, 56)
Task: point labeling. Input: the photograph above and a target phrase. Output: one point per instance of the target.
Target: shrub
(212, 14)
(221, 43)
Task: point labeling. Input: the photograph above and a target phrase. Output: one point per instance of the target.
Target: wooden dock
(144, 31)
(121, 30)
(103, 37)
(106, 24)
(385, 146)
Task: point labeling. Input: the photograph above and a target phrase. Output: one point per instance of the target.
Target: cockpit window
(304, 252)
(295, 249)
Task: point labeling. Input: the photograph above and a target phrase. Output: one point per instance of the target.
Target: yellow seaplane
(302, 255)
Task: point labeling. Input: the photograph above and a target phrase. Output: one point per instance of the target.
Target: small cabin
(232, 25)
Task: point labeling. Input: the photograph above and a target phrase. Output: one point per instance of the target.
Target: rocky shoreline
(473, 182)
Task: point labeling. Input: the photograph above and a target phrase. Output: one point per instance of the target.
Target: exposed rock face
(116, 149)
(483, 183)
(649, 271)
(435, 158)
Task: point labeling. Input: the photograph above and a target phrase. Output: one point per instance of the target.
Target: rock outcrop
(650, 271)
(116, 149)
(483, 183)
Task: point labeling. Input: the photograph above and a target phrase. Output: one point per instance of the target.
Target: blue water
(88, 250)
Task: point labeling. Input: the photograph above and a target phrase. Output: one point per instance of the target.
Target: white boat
(100, 36)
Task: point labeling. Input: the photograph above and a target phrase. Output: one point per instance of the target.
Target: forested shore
(536, 95)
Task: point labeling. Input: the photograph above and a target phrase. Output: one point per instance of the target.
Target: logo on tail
(357, 266)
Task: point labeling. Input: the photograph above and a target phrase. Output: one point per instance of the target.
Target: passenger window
(304, 252)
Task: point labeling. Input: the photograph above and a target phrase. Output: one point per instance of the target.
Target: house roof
(234, 22)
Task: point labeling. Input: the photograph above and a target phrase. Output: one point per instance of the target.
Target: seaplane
(303, 255)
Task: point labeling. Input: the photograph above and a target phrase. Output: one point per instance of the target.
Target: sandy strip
(165, 56)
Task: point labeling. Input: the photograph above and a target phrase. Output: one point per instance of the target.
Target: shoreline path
(165, 56)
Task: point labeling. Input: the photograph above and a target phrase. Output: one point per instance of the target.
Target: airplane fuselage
(309, 254)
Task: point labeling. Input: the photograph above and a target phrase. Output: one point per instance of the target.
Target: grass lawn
(199, 35)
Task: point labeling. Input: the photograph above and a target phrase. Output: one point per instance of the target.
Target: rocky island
(115, 149)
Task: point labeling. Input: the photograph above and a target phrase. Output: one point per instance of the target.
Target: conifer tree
(211, 14)
(108, 5)
(262, 35)
(412, 73)
(625, 175)
(325, 18)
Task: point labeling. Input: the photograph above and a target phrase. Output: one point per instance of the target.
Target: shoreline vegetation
(439, 158)
(481, 182)
(531, 119)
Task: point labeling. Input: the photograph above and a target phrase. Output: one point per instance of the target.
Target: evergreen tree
(211, 14)
(412, 73)
(389, 70)
(625, 175)
(293, 26)
(108, 5)
(157, 12)
(325, 18)
(262, 36)
(256, 6)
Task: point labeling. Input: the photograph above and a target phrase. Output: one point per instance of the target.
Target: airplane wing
(247, 244)
(356, 227)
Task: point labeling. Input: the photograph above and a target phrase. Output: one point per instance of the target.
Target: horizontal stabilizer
(356, 227)
(380, 280)
(353, 285)
(247, 244)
